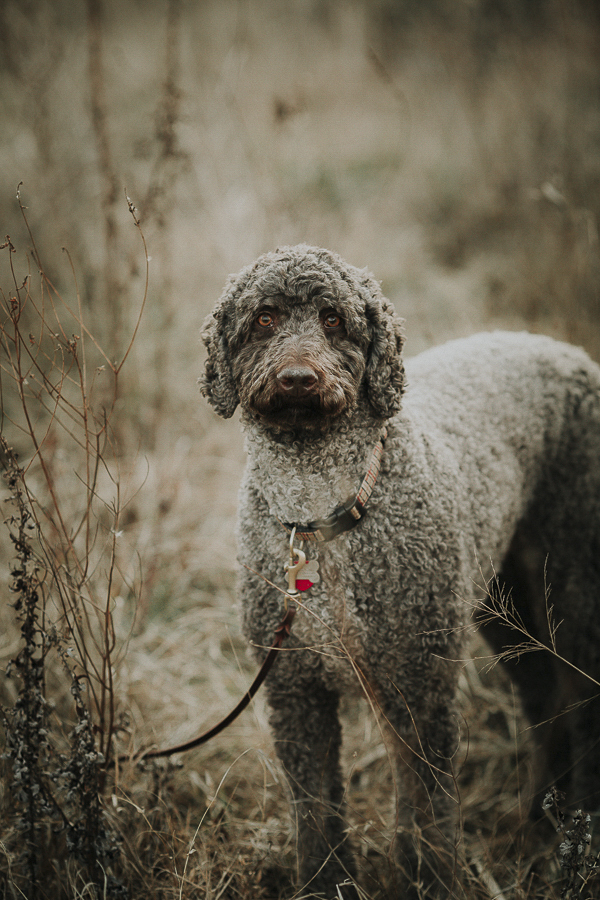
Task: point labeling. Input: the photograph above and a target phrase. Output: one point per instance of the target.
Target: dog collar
(348, 514)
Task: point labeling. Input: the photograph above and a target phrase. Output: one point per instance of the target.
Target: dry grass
(457, 157)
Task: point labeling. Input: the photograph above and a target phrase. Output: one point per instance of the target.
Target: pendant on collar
(300, 565)
(348, 514)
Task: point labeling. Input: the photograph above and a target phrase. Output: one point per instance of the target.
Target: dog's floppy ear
(218, 384)
(384, 374)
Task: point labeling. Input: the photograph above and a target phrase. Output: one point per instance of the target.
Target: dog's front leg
(307, 736)
(422, 739)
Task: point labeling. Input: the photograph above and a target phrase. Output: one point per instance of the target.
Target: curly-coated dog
(413, 493)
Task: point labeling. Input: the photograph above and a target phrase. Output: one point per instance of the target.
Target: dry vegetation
(452, 148)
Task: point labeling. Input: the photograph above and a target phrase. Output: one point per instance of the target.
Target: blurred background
(453, 148)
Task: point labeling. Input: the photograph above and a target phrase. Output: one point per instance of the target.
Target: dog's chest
(303, 483)
(329, 620)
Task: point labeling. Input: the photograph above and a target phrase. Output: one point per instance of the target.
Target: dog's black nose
(296, 380)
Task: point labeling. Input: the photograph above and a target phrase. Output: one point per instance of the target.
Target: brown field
(454, 149)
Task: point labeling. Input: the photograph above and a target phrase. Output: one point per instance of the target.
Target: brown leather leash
(281, 633)
(344, 518)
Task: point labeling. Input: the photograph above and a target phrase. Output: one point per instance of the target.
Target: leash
(343, 518)
(281, 633)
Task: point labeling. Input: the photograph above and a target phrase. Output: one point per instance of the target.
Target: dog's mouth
(289, 413)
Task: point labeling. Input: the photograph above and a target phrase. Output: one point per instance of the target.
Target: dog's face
(300, 362)
(297, 338)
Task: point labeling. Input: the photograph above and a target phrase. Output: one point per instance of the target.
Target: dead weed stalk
(65, 501)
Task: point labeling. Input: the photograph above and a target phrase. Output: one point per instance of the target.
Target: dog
(465, 480)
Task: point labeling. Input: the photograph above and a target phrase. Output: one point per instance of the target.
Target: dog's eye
(332, 322)
(265, 320)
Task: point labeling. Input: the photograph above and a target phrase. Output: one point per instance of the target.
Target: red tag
(303, 584)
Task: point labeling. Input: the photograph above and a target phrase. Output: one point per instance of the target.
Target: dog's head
(298, 337)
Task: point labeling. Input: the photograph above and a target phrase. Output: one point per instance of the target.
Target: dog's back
(520, 416)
